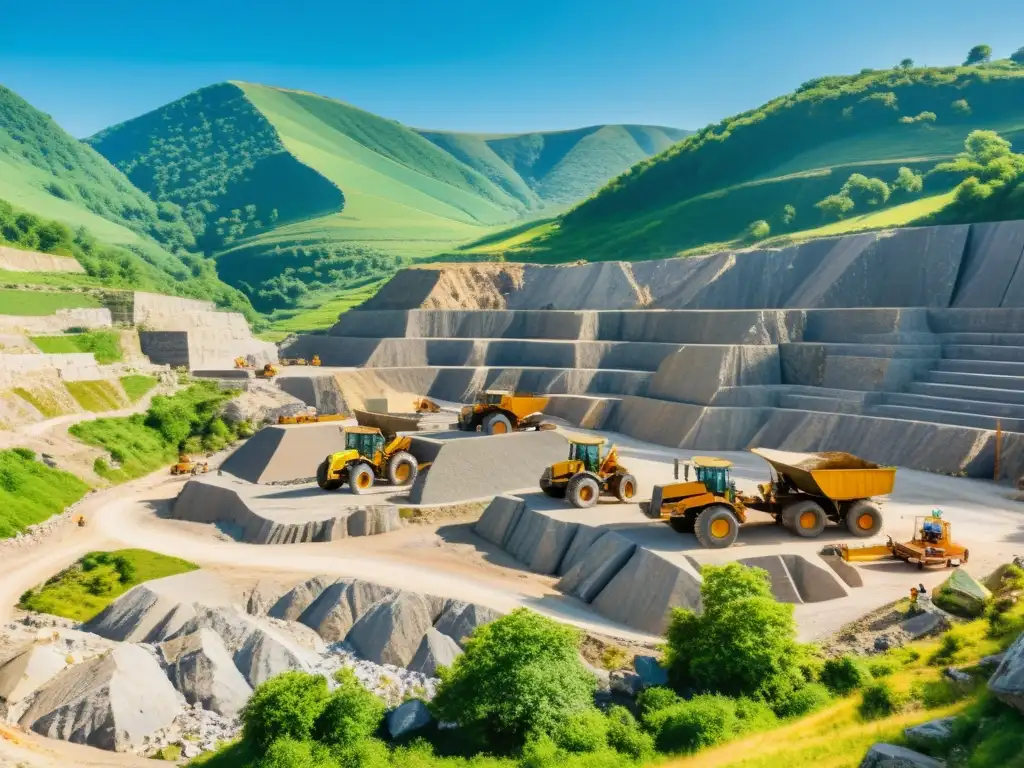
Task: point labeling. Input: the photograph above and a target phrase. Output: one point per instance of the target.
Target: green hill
(298, 194)
(794, 151)
(60, 196)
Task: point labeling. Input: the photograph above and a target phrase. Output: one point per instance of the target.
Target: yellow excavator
(585, 476)
(367, 458)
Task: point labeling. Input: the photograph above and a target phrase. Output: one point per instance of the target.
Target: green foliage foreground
(31, 492)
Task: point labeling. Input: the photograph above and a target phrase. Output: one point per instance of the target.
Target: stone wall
(60, 321)
(70, 367)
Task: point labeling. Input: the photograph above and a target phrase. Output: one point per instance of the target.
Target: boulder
(924, 624)
(596, 566)
(25, 672)
(459, 620)
(625, 683)
(371, 521)
(113, 701)
(891, 756)
(436, 650)
(411, 716)
(650, 671)
(932, 732)
(1007, 683)
(392, 630)
(297, 599)
(202, 670)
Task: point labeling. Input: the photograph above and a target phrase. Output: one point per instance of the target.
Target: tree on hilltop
(907, 64)
(979, 54)
(1017, 57)
(861, 189)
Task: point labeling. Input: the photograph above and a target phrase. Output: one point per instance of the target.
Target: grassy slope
(105, 345)
(136, 386)
(96, 396)
(30, 492)
(320, 315)
(794, 150)
(70, 594)
(39, 303)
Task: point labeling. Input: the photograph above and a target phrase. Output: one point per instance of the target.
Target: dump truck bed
(835, 475)
(527, 405)
(388, 423)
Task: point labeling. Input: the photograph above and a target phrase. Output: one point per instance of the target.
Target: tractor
(498, 412)
(367, 458)
(186, 466)
(585, 476)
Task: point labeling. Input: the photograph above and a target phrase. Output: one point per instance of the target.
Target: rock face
(460, 619)
(651, 673)
(24, 673)
(371, 521)
(1007, 684)
(112, 702)
(436, 650)
(934, 731)
(201, 668)
(293, 602)
(392, 630)
(408, 717)
(890, 756)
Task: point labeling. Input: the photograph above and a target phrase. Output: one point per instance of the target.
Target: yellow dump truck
(498, 412)
(806, 492)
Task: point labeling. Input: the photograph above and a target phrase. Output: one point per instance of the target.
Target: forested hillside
(862, 147)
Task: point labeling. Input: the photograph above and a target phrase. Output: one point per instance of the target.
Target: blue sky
(478, 65)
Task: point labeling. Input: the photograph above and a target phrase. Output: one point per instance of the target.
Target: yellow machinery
(294, 361)
(498, 412)
(241, 362)
(311, 418)
(368, 457)
(425, 405)
(268, 371)
(315, 361)
(806, 492)
(585, 476)
(186, 466)
(932, 545)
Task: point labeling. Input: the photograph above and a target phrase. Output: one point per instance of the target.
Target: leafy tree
(290, 753)
(835, 206)
(907, 64)
(863, 190)
(758, 230)
(985, 146)
(701, 722)
(626, 737)
(742, 644)
(979, 54)
(908, 181)
(788, 214)
(922, 117)
(583, 731)
(1017, 57)
(285, 706)
(352, 713)
(961, 107)
(520, 675)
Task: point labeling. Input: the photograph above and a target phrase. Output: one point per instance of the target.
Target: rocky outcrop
(459, 620)
(113, 702)
(436, 650)
(22, 674)
(390, 632)
(1007, 684)
(932, 732)
(200, 667)
(891, 756)
(296, 600)
(596, 565)
(371, 521)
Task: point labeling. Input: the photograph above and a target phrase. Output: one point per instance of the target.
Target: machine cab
(714, 473)
(366, 441)
(587, 451)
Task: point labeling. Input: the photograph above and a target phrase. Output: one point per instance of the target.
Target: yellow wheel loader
(806, 492)
(186, 466)
(586, 476)
(497, 412)
(268, 371)
(315, 361)
(367, 458)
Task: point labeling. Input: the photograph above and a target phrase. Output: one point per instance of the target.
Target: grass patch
(105, 345)
(319, 315)
(81, 591)
(47, 406)
(136, 386)
(96, 396)
(39, 303)
(31, 492)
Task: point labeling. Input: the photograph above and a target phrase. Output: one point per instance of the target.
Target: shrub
(625, 735)
(25, 453)
(351, 714)
(584, 731)
(883, 666)
(701, 722)
(519, 675)
(754, 715)
(292, 753)
(937, 693)
(806, 700)
(758, 230)
(951, 644)
(102, 583)
(844, 675)
(125, 569)
(285, 706)
(879, 700)
(613, 657)
(653, 699)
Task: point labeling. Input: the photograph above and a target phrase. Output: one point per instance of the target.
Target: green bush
(351, 714)
(626, 737)
(102, 583)
(25, 453)
(701, 722)
(808, 699)
(879, 700)
(652, 699)
(584, 731)
(951, 644)
(30, 491)
(883, 666)
(844, 675)
(520, 675)
(937, 693)
(292, 753)
(285, 706)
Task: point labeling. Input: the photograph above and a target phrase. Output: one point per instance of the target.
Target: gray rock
(959, 677)
(256, 605)
(392, 630)
(293, 602)
(924, 624)
(934, 731)
(23, 674)
(411, 716)
(1007, 683)
(460, 620)
(201, 668)
(333, 614)
(992, 662)
(112, 702)
(625, 683)
(372, 521)
(596, 566)
(891, 756)
(435, 650)
(650, 671)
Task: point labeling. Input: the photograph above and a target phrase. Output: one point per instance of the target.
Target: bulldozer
(585, 475)
(186, 466)
(932, 545)
(367, 458)
(498, 412)
(806, 492)
(268, 371)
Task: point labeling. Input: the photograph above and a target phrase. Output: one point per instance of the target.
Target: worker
(913, 595)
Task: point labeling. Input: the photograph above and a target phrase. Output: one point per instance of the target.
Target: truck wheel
(360, 477)
(554, 491)
(716, 527)
(863, 519)
(806, 518)
(403, 469)
(625, 488)
(682, 523)
(583, 491)
(497, 424)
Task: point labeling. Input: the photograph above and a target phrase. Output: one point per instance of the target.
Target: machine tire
(321, 478)
(863, 519)
(554, 491)
(625, 488)
(403, 469)
(806, 518)
(497, 424)
(682, 523)
(716, 527)
(360, 478)
(583, 491)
